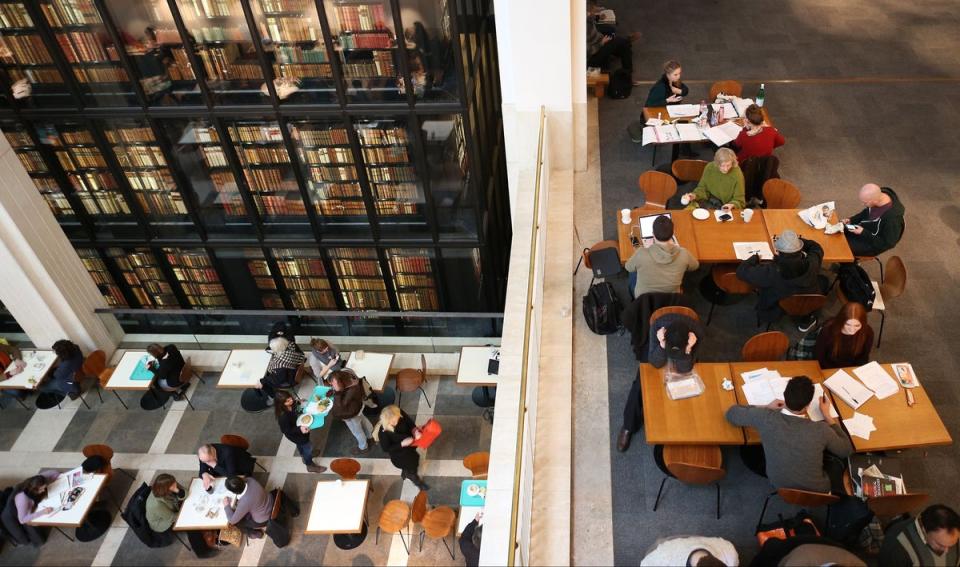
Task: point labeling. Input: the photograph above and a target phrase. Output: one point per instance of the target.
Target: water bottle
(702, 119)
(711, 117)
(720, 115)
(760, 96)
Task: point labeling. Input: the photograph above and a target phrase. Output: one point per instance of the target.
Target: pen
(850, 395)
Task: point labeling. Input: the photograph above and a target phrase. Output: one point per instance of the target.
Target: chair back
(806, 498)
(657, 188)
(94, 364)
(894, 279)
(771, 345)
(439, 522)
(394, 516)
(277, 504)
(694, 464)
(301, 372)
(725, 276)
(105, 452)
(893, 505)
(780, 194)
(186, 373)
(423, 365)
(733, 88)
(238, 441)
(104, 376)
(603, 244)
(803, 304)
(677, 309)
(687, 170)
(419, 507)
(347, 469)
(477, 464)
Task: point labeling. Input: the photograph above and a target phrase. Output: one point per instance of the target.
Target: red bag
(429, 432)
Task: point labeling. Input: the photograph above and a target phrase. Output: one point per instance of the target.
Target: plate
(305, 420)
(473, 490)
(701, 214)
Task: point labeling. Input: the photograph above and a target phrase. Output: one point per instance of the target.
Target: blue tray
(140, 371)
(318, 418)
(466, 499)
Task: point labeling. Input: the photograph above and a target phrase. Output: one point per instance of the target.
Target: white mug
(746, 214)
(625, 216)
(685, 200)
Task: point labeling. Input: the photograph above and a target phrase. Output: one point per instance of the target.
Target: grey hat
(788, 242)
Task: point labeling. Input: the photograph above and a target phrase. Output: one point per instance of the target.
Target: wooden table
(472, 368)
(77, 514)
(682, 230)
(699, 420)
(899, 426)
(122, 377)
(244, 368)
(599, 82)
(715, 239)
(786, 368)
(661, 111)
(339, 507)
(835, 246)
(374, 366)
(202, 511)
(38, 363)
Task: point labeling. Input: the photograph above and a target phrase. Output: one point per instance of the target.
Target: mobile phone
(724, 217)
(850, 227)
(634, 240)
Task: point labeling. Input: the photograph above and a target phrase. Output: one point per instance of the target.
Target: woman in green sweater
(163, 503)
(721, 185)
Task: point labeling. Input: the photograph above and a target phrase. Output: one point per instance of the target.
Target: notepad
(690, 132)
(852, 392)
(683, 110)
(729, 111)
(813, 411)
(762, 391)
(876, 378)
(744, 250)
(724, 133)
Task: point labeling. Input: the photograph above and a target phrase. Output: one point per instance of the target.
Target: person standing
(845, 340)
(879, 226)
(347, 393)
(396, 433)
(163, 503)
(287, 412)
(659, 266)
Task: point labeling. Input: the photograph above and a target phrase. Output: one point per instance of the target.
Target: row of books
(381, 67)
(81, 157)
(197, 275)
(109, 75)
(382, 136)
(180, 69)
(28, 49)
(418, 300)
(269, 180)
(219, 33)
(279, 206)
(265, 283)
(32, 161)
(357, 267)
(196, 260)
(259, 268)
(303, 71)
(297, 54)
(46, 184)
(104, 203)
(18, 139)
(217, 64)
(393, 173)
(306, 283)
(131, 135)
(202, 300)
(150, 180)
(233, 206)
(162, 204)
(312, 300)
(354, 253)
(92, 181)
(366, 40)
(461, 141)
(365, 17)
(322, 174)
(257, 133)
(223, 182)
(366, 300)
(336, 190)
(213, 156)
(410, 264)
(81, 46)
(36, 76)
(76, 137)
(327, 155)
(410, 280)
(206, 134)
(388, 208)
(301, 266)
(310, 136)
(139, 156)
(268, 6)
(15, 16)
(58, 204)
(208, 8)
(71, 12)
(341, 208)
(290, 28)
(407, 192)
(388, 154)
(265, 155)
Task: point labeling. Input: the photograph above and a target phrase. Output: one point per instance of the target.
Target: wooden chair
(412, 379)
(394, 516)
(419, 509)
(892, 287)
(347, 469)
(102, 381)
(771, 345)
(657, 188)
(677, 309)
(724, 278)
(93, 365)
(803, 498)
(886, 508)
(780, 194)
(240, 442)
(802, 304)
(105, 452)
(602, 245)
(733, 88)
(439, 523)
(477, 463)
(687, 170)
(692, 464)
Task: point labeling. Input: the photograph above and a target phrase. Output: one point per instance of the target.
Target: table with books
(715, 240)
(680, 127)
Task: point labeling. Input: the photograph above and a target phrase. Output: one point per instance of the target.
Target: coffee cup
(358, 354)
(685, 200)
(746, 214)
(625, 216)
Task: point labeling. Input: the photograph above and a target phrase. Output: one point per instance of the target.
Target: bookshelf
(102, 277)
(144, 278)
(360, 279)
(24, 57)
(389, 168)
(366, 44)
(145, 168)
(32, 160)
(305, 278)
(198, 278)
(412, 272)
(259, 269)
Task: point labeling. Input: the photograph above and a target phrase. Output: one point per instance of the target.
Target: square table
(700, 420)
(786, 368)
(339, 507)
(244, 368)
(715, 239)
(38, 362)
(77, 514)
(374, 366)
(835, 246)
(682, 230)
(202, 511)
(899, 426)
(662, 113)
(472, 368)
(470, 506)
(130, 374)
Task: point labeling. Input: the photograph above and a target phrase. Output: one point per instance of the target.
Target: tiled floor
(148, 443)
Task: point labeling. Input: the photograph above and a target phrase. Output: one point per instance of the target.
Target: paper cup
(625, 216)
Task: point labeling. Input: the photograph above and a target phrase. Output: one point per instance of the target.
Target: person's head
(754, 115)
(339, 380)
(941, 527)
(283, 402)
(93, 464)
(725, 159)
(850, 320)
(319, 345)
(207, 454)
(787, 242)
(871, 195)
(65, 349)
(672, 71)
(703, 558)
(278, 344)
(798, 394)
(676, 337)
(34, 487)
(155, 350)
(235, 484)
(662, 228)
(163, 485)
(389, 418)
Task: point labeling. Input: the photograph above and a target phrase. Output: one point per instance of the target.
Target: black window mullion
(423, 171)
(439, 283)
(402, 52)
(53, 47)
(335, 68)
(121, 48)
(334, 278)
(239, 178)
(117, 276)
(189, 199)
(453, 11)
(366, 188)
(265, 69)
(278, 278)
(388, 280)
(120, 178)
(161, 257)
(301, 180)
(189, 47)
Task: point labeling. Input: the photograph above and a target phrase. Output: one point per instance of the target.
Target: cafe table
(38, 364)
(835, 246)
(473, 365)
(470, 504)
(244, 368)
(715, 239)
(203, 511)
(340, 508)
(374, 366)
(682, 230)
(662, 113)
(57, 492)
(899, 426)
(311, 406)
(131, 374)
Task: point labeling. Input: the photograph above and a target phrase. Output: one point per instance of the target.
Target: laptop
(645, 225)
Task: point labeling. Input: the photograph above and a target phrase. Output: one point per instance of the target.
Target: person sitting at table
(218, 460)
(933, 538)
(163, 503)
(601, 48)
(287, 411)
(669, 89)
(470, 540)
(21, 509)
(879, 226)
(323, 358)
(167, 364)
(757, 139)
(62, 382)
(796, 451)
(720, 187)
(10, 354)
(691, 550)
(677, 340)
(285, 359)
(252, 508)
(396, 433)
(795, 269)
(659, 266)
(347, 393)
(846, 339)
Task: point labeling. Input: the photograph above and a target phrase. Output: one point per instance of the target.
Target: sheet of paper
(729, 111)
(753, 375)
(905, 374)
(667, 134)
(814, 410)
(741, 105)
(876, 378)
(683, 110)
(744, 250)
(649, 136)
(690, 132)
(852, 392)
(860, 425)
(762, 392)
(724, 133)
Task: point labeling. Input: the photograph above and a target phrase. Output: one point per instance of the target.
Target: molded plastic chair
(691, 464)
(802, 304)
(886, 508)
(412, 379)
(780, 194)
(394, 516)
(240, 442)
(725, 284)
(728, 87)
(439, 523)
(477, 463)
(347, 469)
(803, 498)
(657, 188)
(93, 366)
(419, 508)
(677, 309)
(771, 345)
(687, 170)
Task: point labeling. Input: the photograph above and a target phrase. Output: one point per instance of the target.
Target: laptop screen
(646, 224)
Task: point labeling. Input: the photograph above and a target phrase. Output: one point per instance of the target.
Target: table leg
(120, 399)
(64, 534)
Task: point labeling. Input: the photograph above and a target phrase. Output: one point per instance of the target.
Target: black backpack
(855, 285)
(621, 84)
(136, 517)
(601, 309)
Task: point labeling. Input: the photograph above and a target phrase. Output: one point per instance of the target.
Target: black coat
(136, 517)
(290, 429)
(170, 366)
(636, 318)
(660, 92)
(787, 275)
(230, 461)
(404, 458)
(471, 553)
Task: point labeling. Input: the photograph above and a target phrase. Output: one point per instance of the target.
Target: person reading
(845, 340)
(933, 538)
(757, 139)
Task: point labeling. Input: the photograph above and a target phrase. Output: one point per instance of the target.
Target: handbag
(231, 535)
(428, 433)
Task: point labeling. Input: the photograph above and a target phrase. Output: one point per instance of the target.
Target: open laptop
(645, 227)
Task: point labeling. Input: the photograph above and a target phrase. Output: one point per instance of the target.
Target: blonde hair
(387, 417)
(724, 155)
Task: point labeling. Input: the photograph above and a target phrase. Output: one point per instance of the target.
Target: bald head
(871, 195)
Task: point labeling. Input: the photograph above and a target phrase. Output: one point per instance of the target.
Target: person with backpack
(846, 339)
(879, 226)
(659, 266)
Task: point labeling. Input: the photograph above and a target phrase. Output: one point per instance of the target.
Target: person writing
(793, 446)
(721, 186)
(26, 497)
(757, 139)
(879, 226)
(250, 507)
(218, 460)
(659, 266)
(933, 538)
(163, 503)
(396, 433)
(286, 410)
(846, 339)
(669, 89)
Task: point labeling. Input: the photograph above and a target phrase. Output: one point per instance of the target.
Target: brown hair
(319, 344)
(754, 115)
(670, 66)
(280, 402)
(834, 329)
(161, 485)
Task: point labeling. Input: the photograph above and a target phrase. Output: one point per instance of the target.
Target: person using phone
(879, 226)
(669, 89)
(323, 358)
(601, 48)
(721, 186)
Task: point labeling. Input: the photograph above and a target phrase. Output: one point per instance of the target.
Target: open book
(724, 133)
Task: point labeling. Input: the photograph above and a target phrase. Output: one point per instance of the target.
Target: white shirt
(675, 551)
(786, 411)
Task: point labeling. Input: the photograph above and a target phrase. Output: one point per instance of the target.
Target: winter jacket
(787, 275)
(660, 92)
(348, 402)
(881, 234)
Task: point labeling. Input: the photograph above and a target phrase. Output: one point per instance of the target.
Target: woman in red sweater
(757, 139)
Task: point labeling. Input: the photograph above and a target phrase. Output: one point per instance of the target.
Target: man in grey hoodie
(659, 265)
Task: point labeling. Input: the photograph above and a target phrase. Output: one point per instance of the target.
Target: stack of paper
(683, 110)
(744, 250)
(876, 378)
(741, 105)
(818, 216)
(763, 386)
(724, 133)
(853, 393)
(860, 425)
(813, 412)
(729, 111)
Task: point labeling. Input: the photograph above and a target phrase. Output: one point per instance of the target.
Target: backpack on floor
(621, 84)
(601, 309)
(786, 528)
(855, 285)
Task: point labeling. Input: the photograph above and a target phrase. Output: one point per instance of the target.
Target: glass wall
(25, 62)
(367, 46)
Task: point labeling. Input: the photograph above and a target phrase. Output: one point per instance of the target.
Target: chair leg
(718, 500)
(879, 263)
(64, 534)
(181, 541)
(124, 404)
(883, 319)
(25, 406)
(263, 469)
(762, 512)
(657, 503)
(425, 397)
(376, 540)
(399, 396)
(99, 393)
(405, 547)
(84, 401)
(189, 403)
(451, 552)
(422, 533)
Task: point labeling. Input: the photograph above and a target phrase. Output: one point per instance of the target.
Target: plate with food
(324, 406)
(305, 420)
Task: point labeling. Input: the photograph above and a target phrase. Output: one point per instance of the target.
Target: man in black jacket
(167, 367)
(879, 226)
(219, 460)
